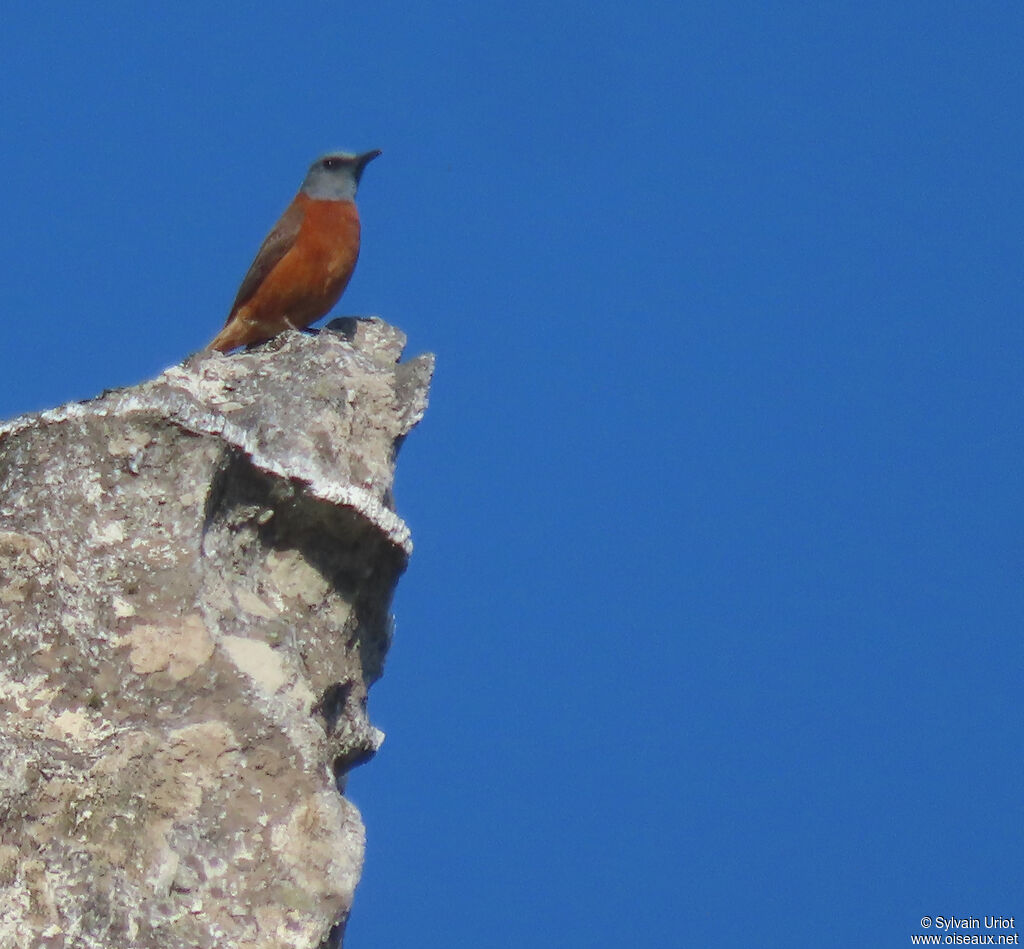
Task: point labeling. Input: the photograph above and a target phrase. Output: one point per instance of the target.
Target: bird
(306, 261)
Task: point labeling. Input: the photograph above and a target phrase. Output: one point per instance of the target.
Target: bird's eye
(332, 163)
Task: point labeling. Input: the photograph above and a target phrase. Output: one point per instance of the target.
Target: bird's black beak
(363, 160)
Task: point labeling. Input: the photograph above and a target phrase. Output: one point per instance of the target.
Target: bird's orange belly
(311, 277)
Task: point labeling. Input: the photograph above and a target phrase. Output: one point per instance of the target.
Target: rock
(195, 582)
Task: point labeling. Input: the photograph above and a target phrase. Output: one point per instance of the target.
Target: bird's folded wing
(278, 242)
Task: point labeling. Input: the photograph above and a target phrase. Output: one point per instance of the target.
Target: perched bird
(306, 261)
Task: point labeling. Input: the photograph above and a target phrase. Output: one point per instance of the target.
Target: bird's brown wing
(277, 243)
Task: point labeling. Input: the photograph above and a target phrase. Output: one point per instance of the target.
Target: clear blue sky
(713, 632)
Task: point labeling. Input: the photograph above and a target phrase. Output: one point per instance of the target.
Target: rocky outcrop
(195, 580)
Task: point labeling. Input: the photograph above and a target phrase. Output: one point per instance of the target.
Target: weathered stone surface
(195, 580)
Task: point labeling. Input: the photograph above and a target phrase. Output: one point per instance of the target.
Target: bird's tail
(231, 337)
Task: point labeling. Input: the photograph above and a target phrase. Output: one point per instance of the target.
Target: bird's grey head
(335, 176)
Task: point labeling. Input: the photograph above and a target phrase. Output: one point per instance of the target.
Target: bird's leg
(308, 330)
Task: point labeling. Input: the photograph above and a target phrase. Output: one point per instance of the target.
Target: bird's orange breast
(308, 280)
